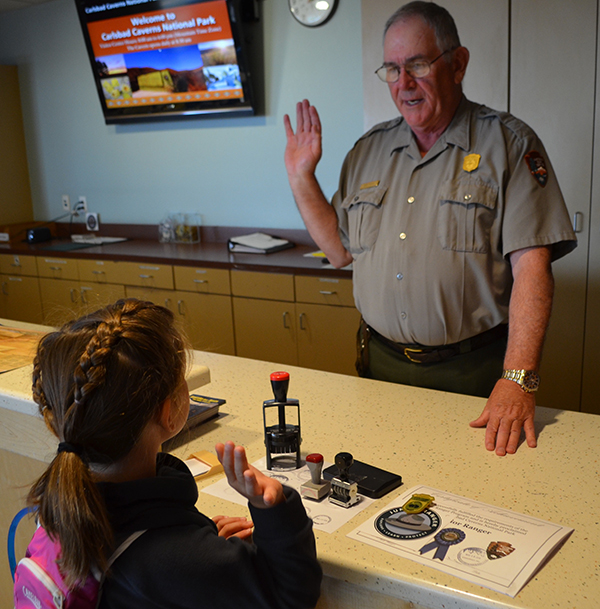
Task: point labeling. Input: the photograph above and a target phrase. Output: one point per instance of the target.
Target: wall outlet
(81, 205)
(66, 203)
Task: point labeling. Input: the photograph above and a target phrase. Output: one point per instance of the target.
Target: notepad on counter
(257, 243)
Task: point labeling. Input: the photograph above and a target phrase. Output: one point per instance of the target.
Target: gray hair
(435, 16)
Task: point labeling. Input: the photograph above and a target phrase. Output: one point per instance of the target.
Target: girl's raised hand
(260, 490)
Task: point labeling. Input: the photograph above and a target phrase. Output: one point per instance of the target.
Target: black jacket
(181, 562)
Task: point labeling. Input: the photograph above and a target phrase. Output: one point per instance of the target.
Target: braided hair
(98, 381)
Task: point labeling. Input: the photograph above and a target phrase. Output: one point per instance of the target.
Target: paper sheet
(17, 347)
(326, 516)
(486, 545)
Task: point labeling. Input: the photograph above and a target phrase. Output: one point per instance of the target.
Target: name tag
(369, 185)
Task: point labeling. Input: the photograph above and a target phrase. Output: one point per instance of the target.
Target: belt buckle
(408, 350)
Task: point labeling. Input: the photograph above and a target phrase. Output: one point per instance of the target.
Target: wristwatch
(529, 380)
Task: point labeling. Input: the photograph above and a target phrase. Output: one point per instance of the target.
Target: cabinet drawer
(58, 268)
(101, 271)
(324, 290)
(13, 264)
(271, 286)
(204, 281)
(145, 275)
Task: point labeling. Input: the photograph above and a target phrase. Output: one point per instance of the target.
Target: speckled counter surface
(424, 436)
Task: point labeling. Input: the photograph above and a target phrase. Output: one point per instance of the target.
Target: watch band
(528, 380)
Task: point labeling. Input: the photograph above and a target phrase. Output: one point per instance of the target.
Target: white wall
(229, 170)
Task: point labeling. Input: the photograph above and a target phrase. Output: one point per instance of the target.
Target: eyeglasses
(418, 68)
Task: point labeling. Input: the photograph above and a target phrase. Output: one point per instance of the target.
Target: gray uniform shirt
(430, 236)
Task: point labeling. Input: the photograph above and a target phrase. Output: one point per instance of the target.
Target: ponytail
(72, 511)
(98, 381)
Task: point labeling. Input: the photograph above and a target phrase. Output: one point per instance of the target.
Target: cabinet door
(543, 55)
(61, 300)
(165, 298)
(327, 337)
(21, 299)
(94, 295)
(207, 320)
(265, 329)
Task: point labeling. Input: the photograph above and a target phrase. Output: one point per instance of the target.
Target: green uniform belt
(422, 354)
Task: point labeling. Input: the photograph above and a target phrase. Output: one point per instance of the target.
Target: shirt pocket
(363, 210)
(467, 212)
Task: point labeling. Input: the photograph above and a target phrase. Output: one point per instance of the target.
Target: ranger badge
(471, 162)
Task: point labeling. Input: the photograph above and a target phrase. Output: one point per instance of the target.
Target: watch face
(531, 381)
(312, 12)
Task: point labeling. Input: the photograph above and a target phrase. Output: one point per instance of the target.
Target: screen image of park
(185, 54)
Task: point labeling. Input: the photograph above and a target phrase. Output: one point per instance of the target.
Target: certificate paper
(486, 545)
(326, 516)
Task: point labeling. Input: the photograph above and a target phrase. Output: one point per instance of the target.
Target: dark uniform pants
(472, 373)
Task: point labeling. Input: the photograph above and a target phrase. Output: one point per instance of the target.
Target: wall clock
(312, 12)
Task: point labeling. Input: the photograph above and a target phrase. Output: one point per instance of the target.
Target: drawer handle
(15, 279)
(55, 268)
(4, 289)
(73, 291)
(286, 325)
(83, 298)
(146, 276)
(98, 273)
(200, 280)
(180, 307)
(167, 303)
(301, 320)
(327, 292)
(577, 222)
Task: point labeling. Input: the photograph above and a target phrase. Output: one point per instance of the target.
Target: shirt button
(399, 276)
(403, 315)
(402, 236)
(411, 200)
(468, 197)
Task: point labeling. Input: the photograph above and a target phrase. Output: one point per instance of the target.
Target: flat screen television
(161, 59)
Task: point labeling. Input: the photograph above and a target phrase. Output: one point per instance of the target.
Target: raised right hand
(303, 149)
(260, 490)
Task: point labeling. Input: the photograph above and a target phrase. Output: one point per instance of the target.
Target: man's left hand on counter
(508, 410)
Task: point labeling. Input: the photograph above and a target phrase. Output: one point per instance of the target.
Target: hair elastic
(66, 447)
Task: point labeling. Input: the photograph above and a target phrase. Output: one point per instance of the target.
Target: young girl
(111, 387)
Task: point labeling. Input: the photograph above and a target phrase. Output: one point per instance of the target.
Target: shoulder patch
(537, 166)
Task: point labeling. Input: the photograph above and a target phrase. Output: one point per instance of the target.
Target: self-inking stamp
(282, 439)
(344, 491)
(316, 488)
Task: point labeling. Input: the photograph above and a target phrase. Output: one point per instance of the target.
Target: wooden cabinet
(202, 306)
(19, 289)
(64, 295)
(265, 329)
(327, 323)
(279, 317)
(306, 321)
(20, 299)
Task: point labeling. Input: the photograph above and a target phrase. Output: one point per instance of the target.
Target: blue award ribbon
(442, 541)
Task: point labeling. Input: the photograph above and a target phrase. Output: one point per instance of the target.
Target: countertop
(143, 245)
(420, 434)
